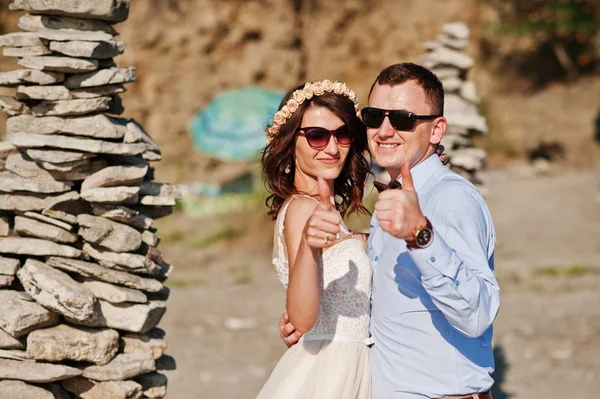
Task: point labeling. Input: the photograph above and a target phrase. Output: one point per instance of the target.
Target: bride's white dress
(331, 361)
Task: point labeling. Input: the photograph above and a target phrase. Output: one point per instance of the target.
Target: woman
(316, 153)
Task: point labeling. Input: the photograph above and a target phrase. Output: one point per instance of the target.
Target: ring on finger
(326, 238)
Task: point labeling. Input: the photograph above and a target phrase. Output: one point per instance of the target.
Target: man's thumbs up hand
(398, 211)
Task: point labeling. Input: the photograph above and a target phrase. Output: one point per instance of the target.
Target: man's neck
(395, 171)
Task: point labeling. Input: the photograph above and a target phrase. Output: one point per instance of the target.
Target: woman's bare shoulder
(299, 209)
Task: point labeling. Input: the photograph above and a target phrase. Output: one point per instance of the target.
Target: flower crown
(306, 93)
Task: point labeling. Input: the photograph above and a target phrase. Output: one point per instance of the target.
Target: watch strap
(412, 241)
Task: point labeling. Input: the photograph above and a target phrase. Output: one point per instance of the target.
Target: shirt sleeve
(457, 268)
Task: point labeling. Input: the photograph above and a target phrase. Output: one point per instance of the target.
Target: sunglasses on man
(318, 137)
(399, 119)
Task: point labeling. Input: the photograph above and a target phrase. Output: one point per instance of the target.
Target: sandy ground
(225, 299)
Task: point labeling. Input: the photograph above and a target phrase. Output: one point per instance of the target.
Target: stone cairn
(81, 288)
(446, 58)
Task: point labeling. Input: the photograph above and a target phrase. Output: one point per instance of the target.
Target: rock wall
(81, 279)
(188, 51)
(446, 57)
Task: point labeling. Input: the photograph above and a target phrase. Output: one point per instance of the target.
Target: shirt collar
(424, 170)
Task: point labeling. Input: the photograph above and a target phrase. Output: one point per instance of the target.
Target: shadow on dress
(345, 288)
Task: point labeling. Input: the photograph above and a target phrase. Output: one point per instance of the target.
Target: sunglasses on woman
(399, 119)
(318, 137)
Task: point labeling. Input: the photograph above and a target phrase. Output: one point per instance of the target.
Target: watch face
(424, 237)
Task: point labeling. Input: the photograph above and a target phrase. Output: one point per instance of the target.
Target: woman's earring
(287, 170)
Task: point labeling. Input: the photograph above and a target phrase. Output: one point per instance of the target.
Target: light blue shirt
(432, 309)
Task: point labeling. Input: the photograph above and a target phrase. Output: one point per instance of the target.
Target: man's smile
(388, 145)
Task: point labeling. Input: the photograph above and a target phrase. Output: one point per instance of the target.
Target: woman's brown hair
(279, 155)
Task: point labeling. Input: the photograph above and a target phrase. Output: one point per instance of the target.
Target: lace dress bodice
(345, 279)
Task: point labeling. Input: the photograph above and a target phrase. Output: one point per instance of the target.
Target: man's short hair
(400, 73)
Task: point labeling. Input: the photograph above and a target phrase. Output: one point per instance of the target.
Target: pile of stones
(81, 280)
(446, 58)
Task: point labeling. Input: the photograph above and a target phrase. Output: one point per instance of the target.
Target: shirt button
(432, 259)
(376, 258)
(457, 283)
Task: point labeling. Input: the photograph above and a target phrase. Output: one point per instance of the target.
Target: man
(431, 244)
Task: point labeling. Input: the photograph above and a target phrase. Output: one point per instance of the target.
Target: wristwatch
(422, 237)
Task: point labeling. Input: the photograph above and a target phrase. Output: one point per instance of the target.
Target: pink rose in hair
(298, 96)
(337, 88)
(279, 118)
(285, 111)
(327, 85)
(292, 105)
(318, 88)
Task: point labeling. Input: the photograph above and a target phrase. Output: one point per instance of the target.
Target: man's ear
(438, 129)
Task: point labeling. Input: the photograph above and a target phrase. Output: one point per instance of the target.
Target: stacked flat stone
(446, 58)
(81, 280)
